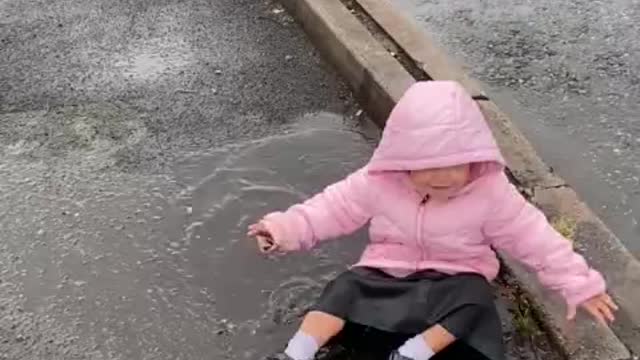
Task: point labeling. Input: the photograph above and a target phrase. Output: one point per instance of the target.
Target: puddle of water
(152, 267)
(261, 298)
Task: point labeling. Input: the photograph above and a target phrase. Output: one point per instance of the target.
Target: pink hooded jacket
(437, 124)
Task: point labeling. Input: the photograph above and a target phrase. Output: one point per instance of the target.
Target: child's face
(441, 183)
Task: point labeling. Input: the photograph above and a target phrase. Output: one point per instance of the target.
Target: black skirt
(463, 304)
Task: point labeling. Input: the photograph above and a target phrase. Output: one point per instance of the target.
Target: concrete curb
(376, 78)
(380, 53)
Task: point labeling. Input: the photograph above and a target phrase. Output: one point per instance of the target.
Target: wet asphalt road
(570, 73)
(138, 139)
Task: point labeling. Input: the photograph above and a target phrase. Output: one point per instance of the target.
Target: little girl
(439, 204)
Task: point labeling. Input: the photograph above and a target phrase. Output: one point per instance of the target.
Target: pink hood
(437, 124)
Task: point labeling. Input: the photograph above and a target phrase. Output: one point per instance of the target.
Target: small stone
(189, 210)
(214, 91)
(79, 283)
(277, 11)
(288, 58)
(174, 244)
(218, 72)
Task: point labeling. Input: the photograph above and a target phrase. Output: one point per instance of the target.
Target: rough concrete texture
(378, 78)
(604, 252)
(568, 71)
(415, 43)
(526, 166)
(138, 140)
(583, 339)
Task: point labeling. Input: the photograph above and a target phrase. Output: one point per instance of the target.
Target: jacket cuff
(281, 232)
(592, 286)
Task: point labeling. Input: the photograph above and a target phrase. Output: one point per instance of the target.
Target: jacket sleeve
(340, 209)
(522, 231)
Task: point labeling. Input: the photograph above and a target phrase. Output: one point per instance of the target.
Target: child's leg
(425, 345)
(316, 330)
(438, 338)
(321, 326)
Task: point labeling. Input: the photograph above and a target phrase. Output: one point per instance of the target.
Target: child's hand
(265, 240)
(601, 307)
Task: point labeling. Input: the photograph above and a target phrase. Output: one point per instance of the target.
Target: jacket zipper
(419, 242)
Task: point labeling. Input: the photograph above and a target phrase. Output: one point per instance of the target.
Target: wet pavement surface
(138, 139)
(568, 72)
